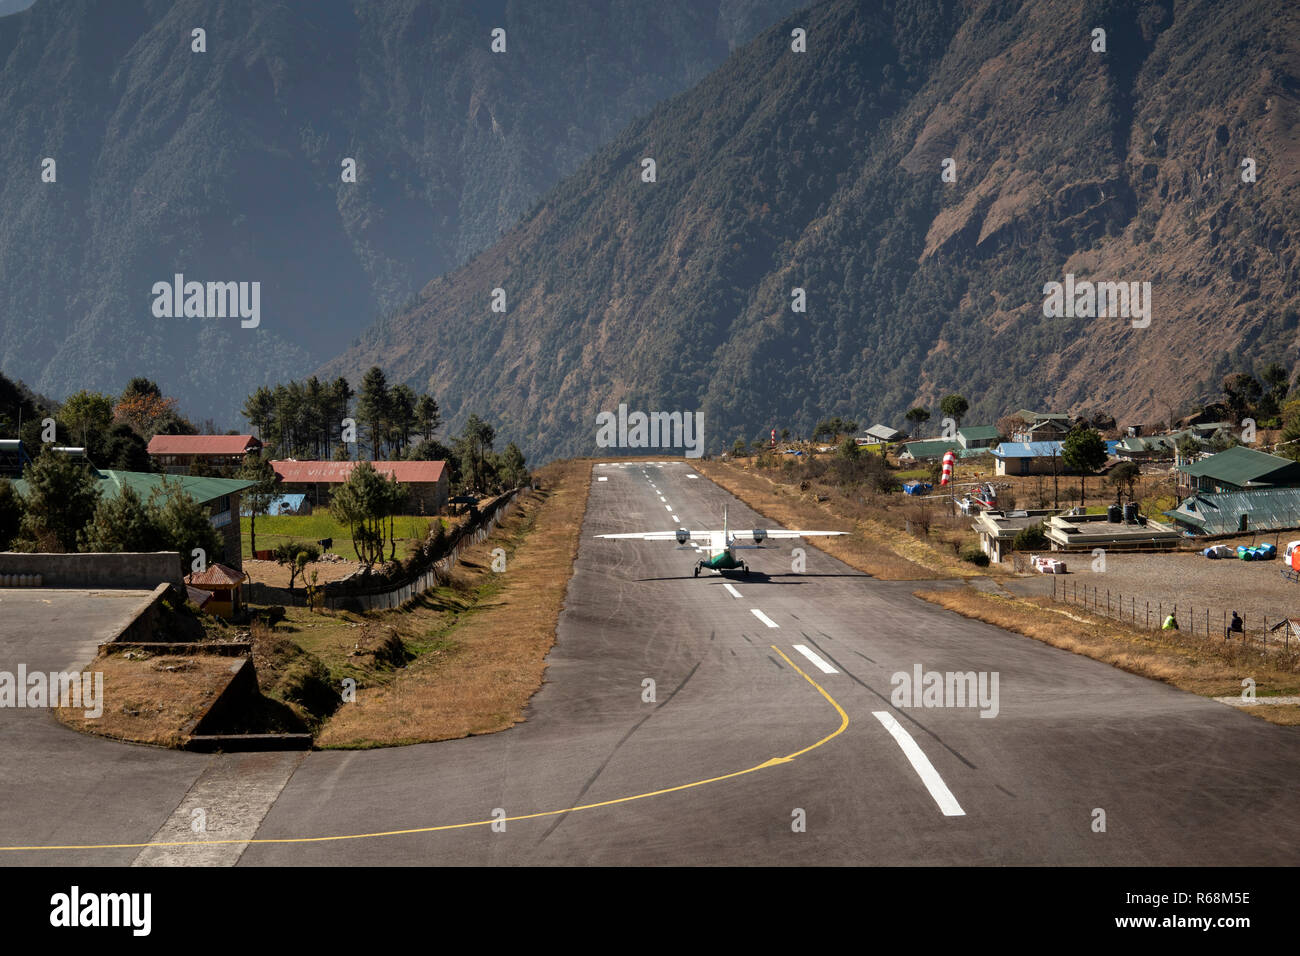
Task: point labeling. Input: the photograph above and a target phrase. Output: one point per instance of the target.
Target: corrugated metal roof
(1027, 449)
(978, 432)
(1266, 509)
(1239, 466)
(144, 484)
(337, 472)
(216, 575)
(202, 444)
(885, 433)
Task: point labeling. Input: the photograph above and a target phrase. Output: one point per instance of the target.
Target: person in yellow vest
(1171, 622)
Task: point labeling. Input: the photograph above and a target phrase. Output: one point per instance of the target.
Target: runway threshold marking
(731, 589)
(773, 762)
(921, 764)
(813, 656)
(762, 617)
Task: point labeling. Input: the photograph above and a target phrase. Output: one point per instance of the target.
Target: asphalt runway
(771, 739)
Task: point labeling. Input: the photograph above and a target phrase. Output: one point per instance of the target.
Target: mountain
(822, 171)
(226, 164)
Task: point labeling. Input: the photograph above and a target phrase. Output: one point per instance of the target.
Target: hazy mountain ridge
(225, 165)
(821, 170)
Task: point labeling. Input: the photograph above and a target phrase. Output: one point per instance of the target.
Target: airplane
(722, 544)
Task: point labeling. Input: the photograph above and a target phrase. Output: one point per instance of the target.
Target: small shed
(226, 586)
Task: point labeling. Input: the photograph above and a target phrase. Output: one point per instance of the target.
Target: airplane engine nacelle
(760, 535)
(683, 536)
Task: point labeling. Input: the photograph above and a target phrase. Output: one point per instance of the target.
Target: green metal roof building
(144, 484)
(1240, 468)
(1238, 512)
(932, 450)
(221, 495)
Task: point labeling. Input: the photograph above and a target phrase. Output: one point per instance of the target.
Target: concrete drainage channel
(205, 734)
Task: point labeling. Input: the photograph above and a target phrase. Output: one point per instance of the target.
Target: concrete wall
(126, 570)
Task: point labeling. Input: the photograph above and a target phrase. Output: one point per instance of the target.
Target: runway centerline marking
(675, 518)
(921, 764)
(762, 617)
(668, 508)
(812, 656)
(773, 762)
(728, 586)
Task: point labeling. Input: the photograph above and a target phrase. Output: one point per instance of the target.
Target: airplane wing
(651, 535)
(796, 534)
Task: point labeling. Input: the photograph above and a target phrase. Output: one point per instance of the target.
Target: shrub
(1032, 538)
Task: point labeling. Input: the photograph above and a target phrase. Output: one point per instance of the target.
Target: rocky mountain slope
(226, 165)
(822, 171)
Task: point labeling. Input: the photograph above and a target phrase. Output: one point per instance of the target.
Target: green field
(274, 530)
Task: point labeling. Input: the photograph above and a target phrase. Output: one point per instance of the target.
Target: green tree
(121, 523)
(1290, 443)
(259, 410)
(296, 556)
(62, 493)
(1123, 477)
(11, 513)
(258, 497)
(1240, 393)
(183, 525)
(1083, 451)
(1276, 381)
(85, 414)
(475, 441)
(373, 407)
(428, 416)
(512, 467)
(915, 418)
(849, 449)
(954, 406)
(364, 503)
(1187, 447)
(401, 417)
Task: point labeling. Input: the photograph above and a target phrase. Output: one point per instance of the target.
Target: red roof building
(177, 454)
(426, 481)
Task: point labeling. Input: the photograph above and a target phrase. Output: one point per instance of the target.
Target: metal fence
(1202, 621)
(383, 598)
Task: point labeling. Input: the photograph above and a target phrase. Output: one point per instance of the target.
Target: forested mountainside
(822, 171)
(224, 163)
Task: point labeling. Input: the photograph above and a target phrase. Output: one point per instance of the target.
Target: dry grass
(477, 664)
(876, 546)
(1202, 667)
(152, 699)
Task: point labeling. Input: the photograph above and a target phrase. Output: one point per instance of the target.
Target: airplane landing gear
(697, 571)
(745, 569)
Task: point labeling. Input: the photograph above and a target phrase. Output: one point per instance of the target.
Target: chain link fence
(1197, 621)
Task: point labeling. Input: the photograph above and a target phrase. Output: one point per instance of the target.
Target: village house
(882, 434)
(220, 496)
(221, 454)
(997, 530)
(427, 482)
(1028, 458)
(1240, 468)
(1041, 426)
(1238, 512)
(978, 436)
